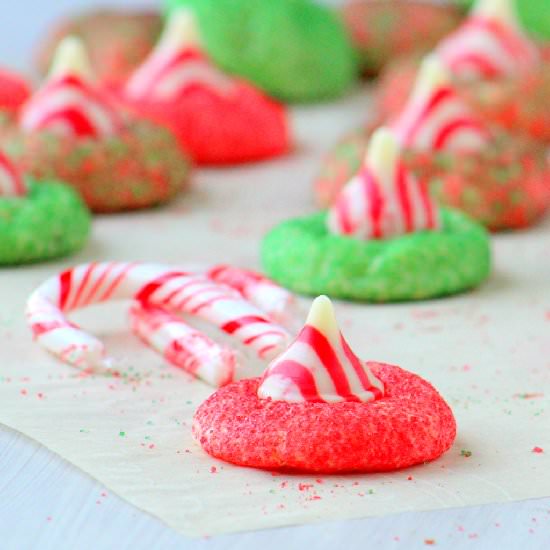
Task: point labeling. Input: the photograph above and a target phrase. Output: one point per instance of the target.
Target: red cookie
(218, 119)
(216, 130)
(14, 91)
(410, 425)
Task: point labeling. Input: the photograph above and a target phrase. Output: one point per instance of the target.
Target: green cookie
(303, 256)
(534, 14)
(293, 49)
(49, 222)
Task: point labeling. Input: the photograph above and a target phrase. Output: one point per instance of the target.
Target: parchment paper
(486, 351)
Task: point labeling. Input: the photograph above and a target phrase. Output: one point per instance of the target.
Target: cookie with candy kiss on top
(496, 68)
(117, 41)
(295, 50)
(384, 239)
(217, 118)
(165, 303)
(39, 220)
(318, 408)
(501, 180)
(72, 130)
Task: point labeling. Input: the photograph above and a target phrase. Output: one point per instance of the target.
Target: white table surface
(46, 503)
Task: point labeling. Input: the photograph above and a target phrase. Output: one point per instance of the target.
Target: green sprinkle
(121, 434)
(465, 453)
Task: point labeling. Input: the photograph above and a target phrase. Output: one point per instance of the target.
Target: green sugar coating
(303, 256)
(49, 222)
(293, 49)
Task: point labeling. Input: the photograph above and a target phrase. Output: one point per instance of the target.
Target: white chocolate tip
(498, 10)
(383, 151)
(71, 58)
(432, 75)
(321, 316)
(181, 30)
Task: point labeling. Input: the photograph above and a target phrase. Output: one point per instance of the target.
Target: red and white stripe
(436, 118)
(182, 345)
(12, 183)
(150, 284)
(68, 103)
(176, 65)
(276, 301)
(319, 366)
(489, 44)
(384, 200)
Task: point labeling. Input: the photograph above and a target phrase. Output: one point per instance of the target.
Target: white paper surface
(486, 351)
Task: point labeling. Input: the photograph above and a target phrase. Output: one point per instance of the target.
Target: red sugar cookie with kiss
(218, 119)
(318, 408)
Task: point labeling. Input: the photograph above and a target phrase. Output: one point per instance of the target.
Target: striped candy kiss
(490, 44)
(150, 284)
(384, 200)
(319, 365)
(436, 118)
(68, 104)
(176, 65)
(12, 183)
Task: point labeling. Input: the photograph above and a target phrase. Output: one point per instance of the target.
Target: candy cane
(154, 284)
(182, 345)
(67, 103)
(12, 183)
(276, 301)
(490, 44)
(436, 118)
(176, 64)
(319, 366)
(384, 200)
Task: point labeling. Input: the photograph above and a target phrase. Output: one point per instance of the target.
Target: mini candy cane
(489, 44)
(153, 284)
(436, 118)
(384, 200)
(12, 183)
(319, 366)
(177, 64)
(68, 103)
(182, 345)
(262, 292)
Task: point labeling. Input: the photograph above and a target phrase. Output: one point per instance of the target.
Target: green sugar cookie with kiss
(384, 239)
(295, 50)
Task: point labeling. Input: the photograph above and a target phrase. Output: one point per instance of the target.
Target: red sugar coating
(14, 91)
(220, 129)
(411, 424)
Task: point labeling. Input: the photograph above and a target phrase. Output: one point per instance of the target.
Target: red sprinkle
(538, 450)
